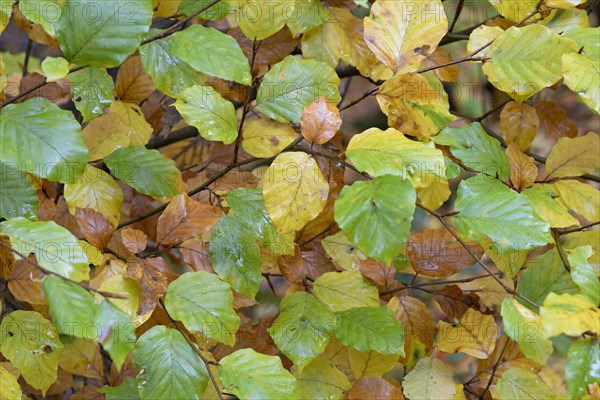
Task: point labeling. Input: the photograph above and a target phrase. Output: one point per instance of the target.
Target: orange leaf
(374, 389)
(519, 124)
(454, 302)
(134, 240)
(96, 228)
(523, 170)
(133, 83)
(25, 283)
(320, 121)
(554, 120)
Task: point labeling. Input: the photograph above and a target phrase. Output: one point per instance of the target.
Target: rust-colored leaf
(442, 56)
(56, 92)
(24, 283)
(309, 263)
(374, 388)
(195, 253)
(523, 170)
(185, 218)
(435, 252)
(519, 124)
(134, 240)
(250, 336)
(320, 121)
(133, 84)
(95, 227)
(554, 119)
(154, 275)
(454, 303)
(7, 258)
(381, 275)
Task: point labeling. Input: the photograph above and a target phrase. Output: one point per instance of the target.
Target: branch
(496, 365)
(561, 251)
(578, 229)
(49, 272)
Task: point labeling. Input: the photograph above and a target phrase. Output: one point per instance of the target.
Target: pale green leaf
(251, 375)
(369, 328)
(43, 140)
(118, 332)
(128, 390)
(54, 68)
(376, 215)
(521, 384)
(56, 248)
(92, 89)
(9, 386)
(302, 329)
(204, 304)
(342, 291)
(429, 379)
(343, 251)
(582, 367)
(583, 274)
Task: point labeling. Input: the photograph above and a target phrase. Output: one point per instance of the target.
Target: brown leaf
(154, 275)
(374, 389)
(195, 253)
(25, 284)
(310, 263)
(519, 124)
(523, 170)
(88, 392)
(554, 120)
(82, 357)
(381, 275)
(153, 113)
(7, 258)
(417, 321)
(231, 91)
(133, 84)
(320, 121)
(134, 240)
(56, 92)
(185, 218)
(454, 302)
(95, 227)
(250, 336)
(436, 253)
(442, 56)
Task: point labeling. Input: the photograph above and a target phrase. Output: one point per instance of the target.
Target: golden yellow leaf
(482, 36)
(295, 191)
(81, 357)
(554, 119)
(475, 334)
(519, 124)
(97, 190)
(434, 195)
(579, 197)
(371, 363)
(513, 10)
(130, 290)
(523, 169)
(402, 33)
(574, 157)
(265, 138)
(165, 8)
(569, 314)
(320, 121)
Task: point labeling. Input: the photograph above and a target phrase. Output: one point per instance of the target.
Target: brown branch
(578, 229)
(495, 368)
(459, 9)
(434, 283)
(206, 361)
(49, 272)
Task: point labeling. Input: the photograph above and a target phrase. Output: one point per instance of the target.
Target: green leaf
(100, 33)
(582, 75)
(205, 109)
(368, 328)
(248, 206)
(72, 308)
(251, 375)
(376, 215)
(429, 379)
(259, 20)
(147, 171)
(380, 152)
(583, 273)
(121, 331)
(488, 208)
(526, 60)
(236, 256)
(305, 15)
(218, 11)
(302, 329)
(582, 367)
(36, 356)
(204, 304)
(92, 89)
(563, 21)
(293, 84)
(342, 291)
(18, 197)
(569, 314)
(171, 370)
(322, 380)
(9, 386)
(226, 60)
(548, 208)
(170, 74)
(56, 248)
(128, 390)
(545, 275)
(520, 384)
(54, 68)
(476, 149)
(525, 327)
(586, 38)
(29, 139)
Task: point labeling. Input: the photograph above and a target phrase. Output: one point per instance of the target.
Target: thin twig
(487, 387)
(459, 9)
(578, 229)
(561, 251)
(49, 272)
(27, 56)
(434, 283)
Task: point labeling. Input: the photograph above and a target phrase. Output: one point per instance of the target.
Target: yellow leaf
(82, 357)
(371, 363)
(569, 314)
(402, 33)
(546, 206)
(513, 10)
(265, 138)
(97, 190)
(9, 387)
(509, 262)
(295, 191)
(416, 105)
(165, 8)
(434, 195)
(261, 19)
(482, 36)
(519, 124)
(579, 197)
(582, 76)
(128, 288)
(563, 3)
(574, 157)
(343, 251)
(523, 169)
(475, 334)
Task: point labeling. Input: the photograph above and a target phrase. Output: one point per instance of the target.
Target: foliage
(189, 209)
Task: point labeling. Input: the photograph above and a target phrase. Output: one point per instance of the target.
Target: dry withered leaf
(133, 84)
(442, 56)
(134, 240)
(82, 357)
(7, 258)
(417, 321)
(195, 253)
(95, 227)
(185, 218)
(374, 388)
(383, 276)
(57, 92)
(153, 113)
(523, 170)
(436, 253)
(519, 123)
(250, 336)
(154, 275)
(454, 302)
(554, 119)
(320, 121)
(24, 282)
(311, 262)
